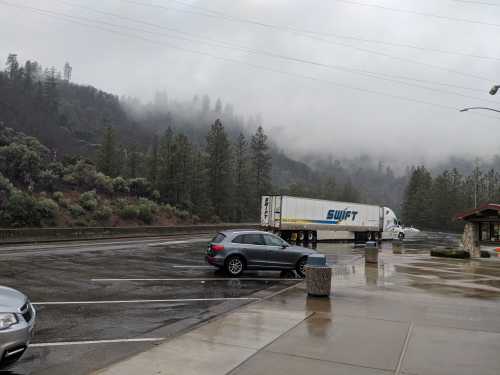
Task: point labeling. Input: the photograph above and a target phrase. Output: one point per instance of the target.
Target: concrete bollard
(371, 252)
(318, 276)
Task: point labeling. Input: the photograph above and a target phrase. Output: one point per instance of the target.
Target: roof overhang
(486, 211)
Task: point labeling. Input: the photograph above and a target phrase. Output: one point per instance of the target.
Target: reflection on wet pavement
(408, 264)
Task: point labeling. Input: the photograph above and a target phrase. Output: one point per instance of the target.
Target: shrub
(76, 210)
(145, 213)
(6, 188)
(129, 212)
(140, 187)
(58, 196)
(47, 210)
(20, 163)
(20, 210)
(83, 174)
(88, 200)
(182, 214)
(120, 185)
(48, 180)
(56, 168)
(104, 213)
(167, 210)
(65, 203)
(196, 219)
(103, 183)
(155, 195)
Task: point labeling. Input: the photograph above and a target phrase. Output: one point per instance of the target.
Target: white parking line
(201, 279)
(66, 343)
(146, 301)
(179, 242)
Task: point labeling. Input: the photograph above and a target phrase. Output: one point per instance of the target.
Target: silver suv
(17, 319)
(237, 250)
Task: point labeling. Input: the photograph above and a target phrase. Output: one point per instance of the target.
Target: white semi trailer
(307, 219)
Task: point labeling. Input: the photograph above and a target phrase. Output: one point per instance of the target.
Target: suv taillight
(216, 248)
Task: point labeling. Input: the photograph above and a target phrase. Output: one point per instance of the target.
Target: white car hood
(11, 300)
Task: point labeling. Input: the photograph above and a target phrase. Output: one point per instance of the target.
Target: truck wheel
(301, 236)
(235, 265)
(315, 237)
(401, 236)
(310, 236)
(370, 236)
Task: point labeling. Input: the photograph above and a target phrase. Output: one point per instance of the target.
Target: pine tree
(182, 171)
(166, 167)
(134, 160)
(218, 107)
(219, 170)
(199, 186)
(153, 163)
(241, 180)
(50, 89)
(261, 168)
(108, 155)
(12, 66)
(68, 70)
(349, 193)
(417, 200)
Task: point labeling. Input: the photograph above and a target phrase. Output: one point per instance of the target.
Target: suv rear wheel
(300, 267)
(235, 265)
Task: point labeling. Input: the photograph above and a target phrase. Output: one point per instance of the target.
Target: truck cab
(392, 226)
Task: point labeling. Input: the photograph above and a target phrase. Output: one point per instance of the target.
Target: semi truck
(311, 220)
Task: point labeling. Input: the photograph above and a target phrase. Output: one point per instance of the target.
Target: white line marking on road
(203, 267)
(95, 243)
(66, 343)
(179, 242)
(201, 279)
(146, 301)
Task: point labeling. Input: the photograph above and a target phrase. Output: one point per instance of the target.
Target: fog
(305, 107)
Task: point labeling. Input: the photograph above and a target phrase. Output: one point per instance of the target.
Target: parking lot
(102, 301)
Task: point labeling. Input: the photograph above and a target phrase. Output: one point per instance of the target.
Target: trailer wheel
(310, 236)
(401, 236)
(370, 236)
(301, 236)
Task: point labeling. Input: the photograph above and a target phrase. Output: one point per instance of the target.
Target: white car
(17, 319)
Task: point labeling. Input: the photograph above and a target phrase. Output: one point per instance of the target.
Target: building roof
(484, 210)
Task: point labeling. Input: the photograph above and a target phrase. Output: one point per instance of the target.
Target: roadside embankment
(29, 235)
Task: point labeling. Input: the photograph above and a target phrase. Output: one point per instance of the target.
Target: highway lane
(100, 301)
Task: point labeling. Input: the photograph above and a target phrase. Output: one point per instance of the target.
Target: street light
(494, 89)
(483, 108)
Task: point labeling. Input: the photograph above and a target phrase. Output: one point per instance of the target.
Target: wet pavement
(409, 314)
(99, 302)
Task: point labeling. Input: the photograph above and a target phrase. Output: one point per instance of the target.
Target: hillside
(71, 121)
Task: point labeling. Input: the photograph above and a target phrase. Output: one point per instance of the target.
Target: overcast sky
(337, 111)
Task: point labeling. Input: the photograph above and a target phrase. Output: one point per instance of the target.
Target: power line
(310, 36)
(418, 13)
(241, 62)
(371, 74)
(306, 32)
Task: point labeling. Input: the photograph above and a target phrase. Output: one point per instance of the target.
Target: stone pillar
(471, 240)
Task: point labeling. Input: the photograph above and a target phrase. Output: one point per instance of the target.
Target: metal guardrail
(23, 235)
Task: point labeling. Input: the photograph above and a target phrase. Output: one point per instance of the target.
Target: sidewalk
(378, 321)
